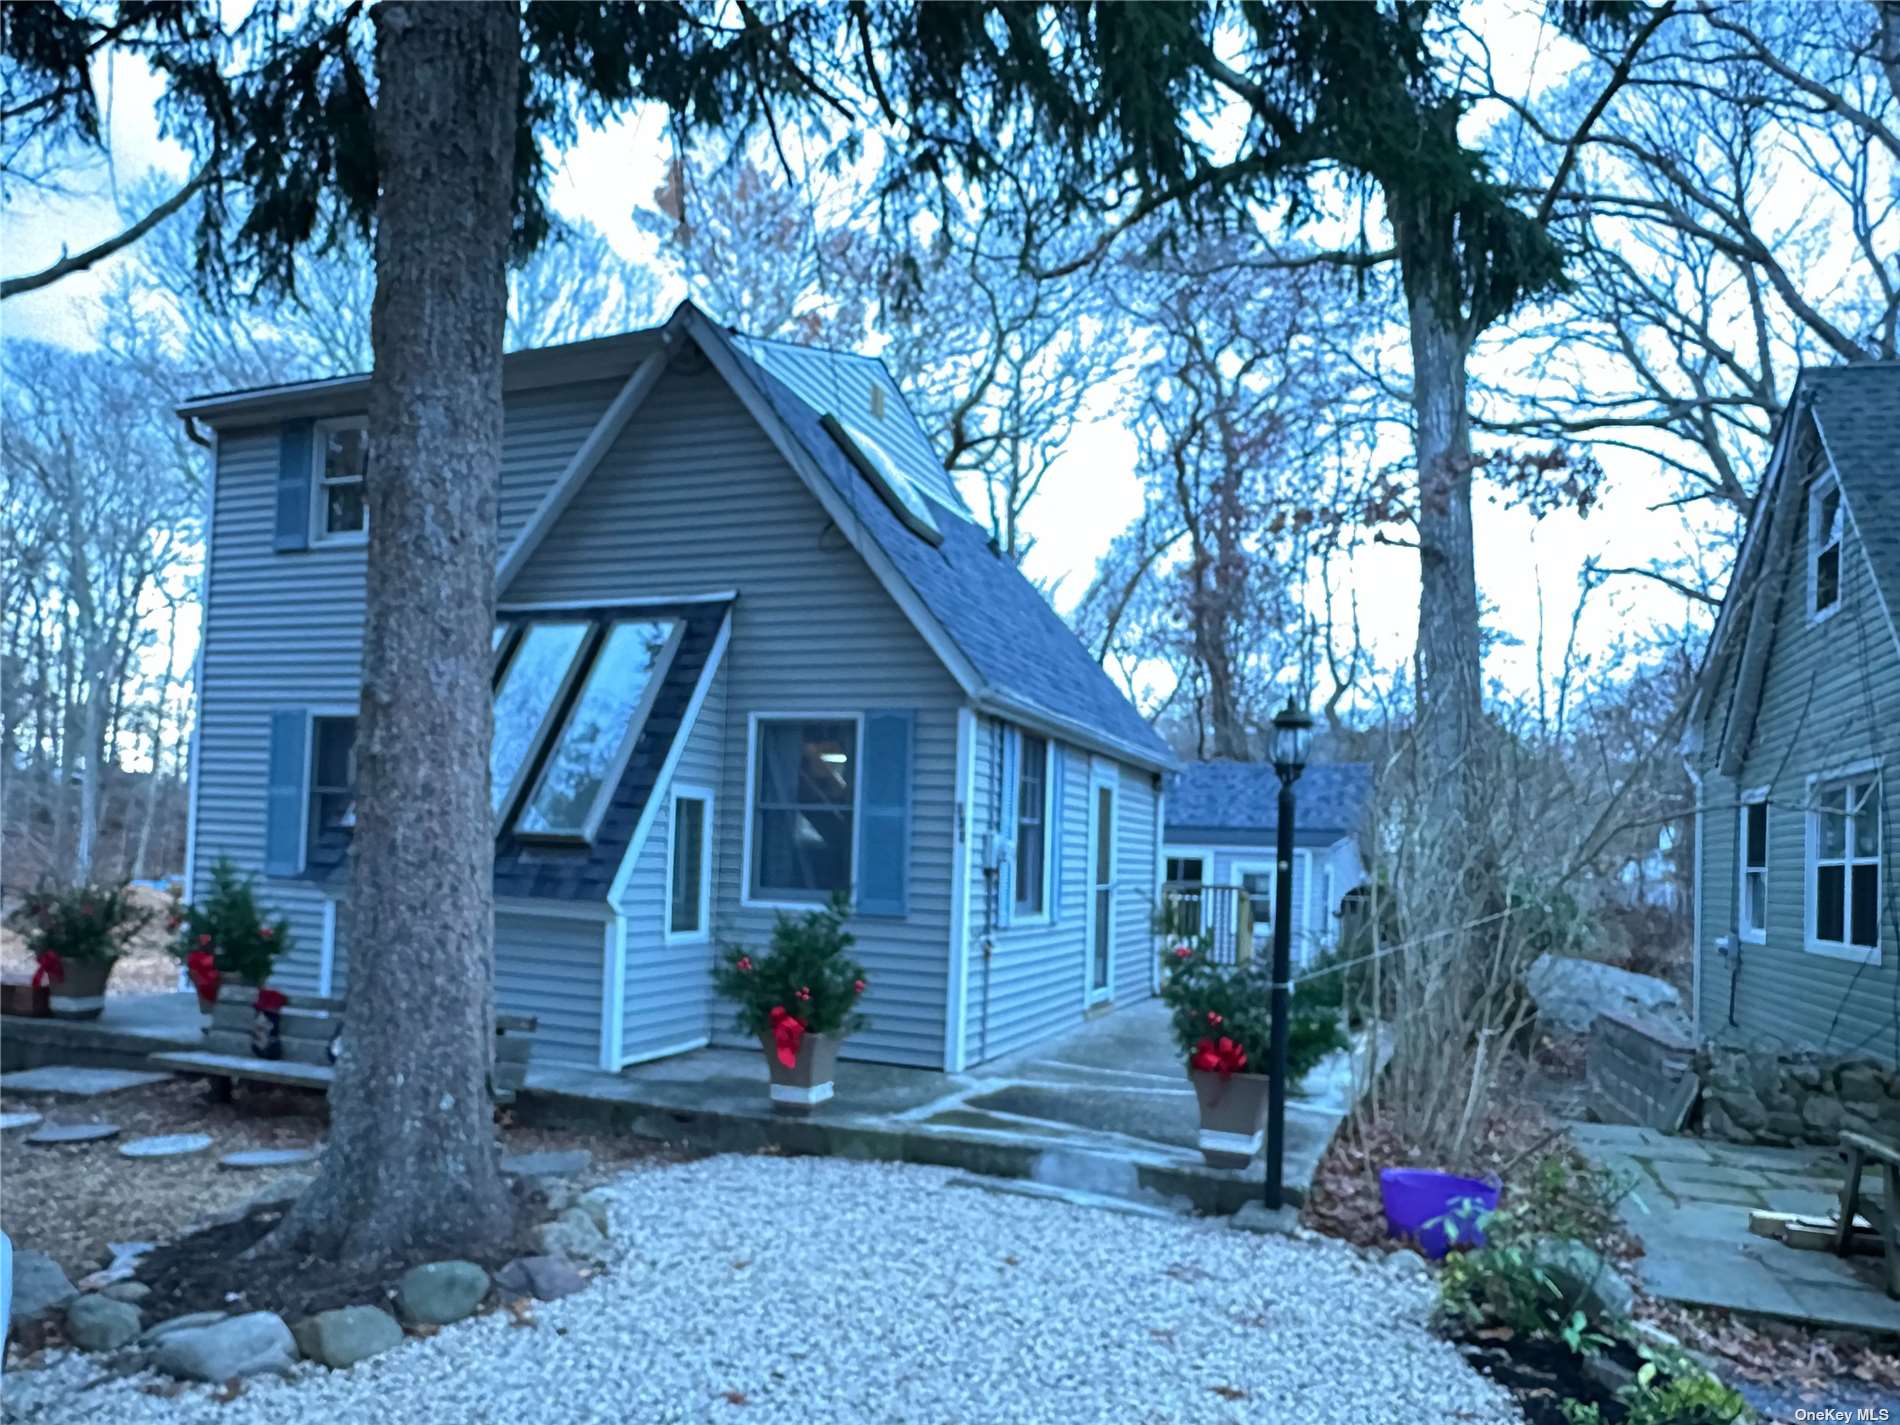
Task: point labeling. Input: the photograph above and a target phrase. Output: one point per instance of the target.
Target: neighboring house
(752, 649)
(1223, 827)
(1795, 737)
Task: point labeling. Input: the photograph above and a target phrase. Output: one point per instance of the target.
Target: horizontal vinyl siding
(1831, 698)
(668, 988)
(693, 498)
(285, 630)
(1137, 854)
(551, 967)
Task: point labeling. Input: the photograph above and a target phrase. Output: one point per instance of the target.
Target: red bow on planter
(52, 969)
(1225, 1058)
(269, 1001)
(201, 968)
(787, 1030)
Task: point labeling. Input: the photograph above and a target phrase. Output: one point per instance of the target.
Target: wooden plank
(1764, 1223)
(233, 1066)
(1878, 1148)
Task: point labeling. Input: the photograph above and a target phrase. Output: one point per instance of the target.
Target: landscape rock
(1254, 1216)
(341, 1338)
(1588, 1281)
(563, 1164)
(257, 1343)
(437, 1293)
(40, 1285)
(133, 1292)
(166, 1145)
(99, 1323)
(1570, 993)
(56, 1134)
(594, 1204)
(543, 1278)
(573, 1235)
(190, 1321)
(250, 1158)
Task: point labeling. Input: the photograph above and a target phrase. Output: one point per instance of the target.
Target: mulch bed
(1542, 1374)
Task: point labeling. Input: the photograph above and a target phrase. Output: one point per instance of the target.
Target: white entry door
(1101, 888)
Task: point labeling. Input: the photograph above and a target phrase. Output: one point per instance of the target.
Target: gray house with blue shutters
(751, 649)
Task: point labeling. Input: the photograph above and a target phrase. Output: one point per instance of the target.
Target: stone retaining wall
(1782, 1096)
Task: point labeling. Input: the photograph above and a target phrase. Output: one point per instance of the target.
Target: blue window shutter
(1058, 799)
(884, 814)
(1010, 774)
(284, 803)
(295, 461)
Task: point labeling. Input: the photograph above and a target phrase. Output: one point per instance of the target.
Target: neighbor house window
(1754, 839)
(342, 467)
(804, 802)
(1844, 876)
(1183, 880)
(583, 767)
(332, 774)
(1032, 839)
(1824, 546)
(1184, 871)
(686, 913)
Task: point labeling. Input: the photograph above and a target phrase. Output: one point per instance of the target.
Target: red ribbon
(1225, 1058)
(269, 1001)
(52, 969)
(787, 1030)
(201, 968)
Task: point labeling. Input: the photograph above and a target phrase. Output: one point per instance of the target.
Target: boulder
(1823, 1117)
(594, 1204)
(99, 1323)
(1864, 1083)
(40, 1286)
(190, 1321)
(543, 1278)
(257, 1343)
(1587, 1280)
(133, 1292)
(572, 1235)
(341, 1338)
(1570, 993)
(437, 1293)
(555, 1164)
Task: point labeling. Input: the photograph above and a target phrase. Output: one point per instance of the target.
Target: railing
(1221, 914)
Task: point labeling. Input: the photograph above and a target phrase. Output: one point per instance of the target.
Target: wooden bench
(305, 1026)
(1865, 1152)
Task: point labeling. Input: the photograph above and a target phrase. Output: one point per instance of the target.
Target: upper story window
(342, 455)
(1032, 832)
(1824, 546)
(804, 807)
(1844, 866)
(332, 774)
(1754, 841)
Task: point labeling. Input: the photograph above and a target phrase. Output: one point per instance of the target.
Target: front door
(1102, 890)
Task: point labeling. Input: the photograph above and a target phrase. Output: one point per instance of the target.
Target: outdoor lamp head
(1292, 736)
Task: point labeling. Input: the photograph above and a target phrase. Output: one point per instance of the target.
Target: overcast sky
(1092, 492)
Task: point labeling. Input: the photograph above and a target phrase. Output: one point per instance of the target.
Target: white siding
(694, 499)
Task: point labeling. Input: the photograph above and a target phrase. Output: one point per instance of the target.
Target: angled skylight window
(888, 477)
(532, 682)
(591, 750)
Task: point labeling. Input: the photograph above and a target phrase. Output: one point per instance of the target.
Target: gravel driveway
(765, 1289)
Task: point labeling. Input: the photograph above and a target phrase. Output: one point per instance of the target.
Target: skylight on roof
(535, 676)
(887, 477)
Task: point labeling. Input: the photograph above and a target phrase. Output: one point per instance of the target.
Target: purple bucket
(1436, 1210)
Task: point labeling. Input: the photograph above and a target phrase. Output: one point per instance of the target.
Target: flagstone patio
(1690, 1208)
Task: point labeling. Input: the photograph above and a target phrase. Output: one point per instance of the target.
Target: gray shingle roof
(1018, 644)
(1858, 411)
(1210, 801)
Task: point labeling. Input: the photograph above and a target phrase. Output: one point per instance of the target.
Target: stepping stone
(72, 1133)
(73, 1081)
(268, 1158)
(548, 1165)
(11, 1121)
(166, 1145)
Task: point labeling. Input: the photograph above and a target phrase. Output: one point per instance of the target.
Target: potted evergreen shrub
(226, 934)
(1222, 1017)
(799, 999)
(75, 935)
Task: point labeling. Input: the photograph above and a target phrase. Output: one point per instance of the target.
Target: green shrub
(86, 924)
(1208, 1001)
(806, 973)
(228, 925)
(1672, 1391)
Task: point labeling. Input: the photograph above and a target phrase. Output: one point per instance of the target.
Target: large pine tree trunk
(413, 1159)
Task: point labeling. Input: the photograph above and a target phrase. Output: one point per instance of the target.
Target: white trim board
(956, 991)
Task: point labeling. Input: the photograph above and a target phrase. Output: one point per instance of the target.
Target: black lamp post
(1292, 735)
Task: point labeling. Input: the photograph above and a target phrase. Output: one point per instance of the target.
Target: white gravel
(755, 1290)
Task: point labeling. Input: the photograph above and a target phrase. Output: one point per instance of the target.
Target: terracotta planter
(1233, 1117)
(807, 1083)
(80, 991)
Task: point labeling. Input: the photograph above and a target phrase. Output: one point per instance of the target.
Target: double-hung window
(804, 808)
(1844, 867)
(1753, 837)
(1824, 546)
(342, 456)
(332, 775)
(1032, 829)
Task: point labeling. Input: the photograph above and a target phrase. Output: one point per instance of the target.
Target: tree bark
(413, 1159)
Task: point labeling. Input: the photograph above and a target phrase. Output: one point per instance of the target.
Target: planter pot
(26, 999)
(807, 1083)
(1233, 1116)
(1436, 1210)
(80, 992)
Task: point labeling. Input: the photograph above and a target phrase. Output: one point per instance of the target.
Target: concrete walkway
(131, 1027)
(1690, 1208)
(1104, 1112)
